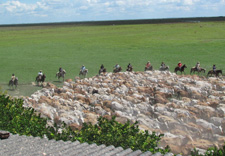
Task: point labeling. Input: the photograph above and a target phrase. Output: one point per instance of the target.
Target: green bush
(19, 120)
(212, 151)
(110, 132)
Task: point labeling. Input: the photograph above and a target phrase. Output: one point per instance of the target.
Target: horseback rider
(214, 69)
(102, 67)
(13, 77)
(40, 73)
(60, 69)
(163, 65)
(129, 66)
(82, 68)
(197, 66)
(117, 66)
(148, 65)
(179, 64)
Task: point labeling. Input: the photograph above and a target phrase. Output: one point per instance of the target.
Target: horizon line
(124, 21)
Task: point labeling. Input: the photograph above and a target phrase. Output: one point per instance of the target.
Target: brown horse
(13, 83)
(61, 74)
(83, 73)
(216, 73)
(130, 69)
(116, 70)
(103, 70)
(40, 79)
(148, 68)
(180, 69)
(194, 69)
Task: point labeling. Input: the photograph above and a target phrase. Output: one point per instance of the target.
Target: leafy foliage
(17, 119)
(212, 151)
(110, 132)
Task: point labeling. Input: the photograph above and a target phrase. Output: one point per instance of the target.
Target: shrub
(212, 151)
(110, 132)
(19, 120)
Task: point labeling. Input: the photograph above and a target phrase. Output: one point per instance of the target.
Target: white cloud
(73, 10)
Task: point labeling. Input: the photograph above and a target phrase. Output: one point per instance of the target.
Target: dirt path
(24, 89)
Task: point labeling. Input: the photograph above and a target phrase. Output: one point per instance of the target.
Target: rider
(214, 69)
(117, 66)
(102, 67)
(197, 66)
(148, 65)
(82, 68)
(60, 69)
(179, 64)
(163, 65)
(13, 77)
(40, 73)
(129, 66)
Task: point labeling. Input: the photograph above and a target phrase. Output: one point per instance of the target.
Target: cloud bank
(41, 11)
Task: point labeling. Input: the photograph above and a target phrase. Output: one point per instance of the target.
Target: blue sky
(45, 11)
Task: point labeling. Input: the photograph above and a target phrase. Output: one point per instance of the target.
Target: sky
(49, 11)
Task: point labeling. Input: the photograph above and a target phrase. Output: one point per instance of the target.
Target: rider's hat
(40, 70)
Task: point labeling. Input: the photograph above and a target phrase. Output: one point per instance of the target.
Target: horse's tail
(175, 70)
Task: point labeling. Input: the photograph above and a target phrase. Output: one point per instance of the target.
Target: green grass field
(26, 50)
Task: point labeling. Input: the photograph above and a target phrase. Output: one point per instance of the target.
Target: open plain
(24, 50)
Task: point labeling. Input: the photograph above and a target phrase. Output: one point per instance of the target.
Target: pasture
(28, 49)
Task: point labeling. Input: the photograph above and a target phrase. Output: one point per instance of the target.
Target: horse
(164, 68)
(180, 69)
(13, 83)
(83, 73)
(217, 72)
(148, 68)
(130, 69)
(116, 70)
(40, 79)
(103, 70)
(61, 74)
(194, 69)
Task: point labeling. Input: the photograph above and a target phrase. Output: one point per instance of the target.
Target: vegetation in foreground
(25, 121)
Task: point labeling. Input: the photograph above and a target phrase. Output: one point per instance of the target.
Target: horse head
(184, 66)
(43, 78)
